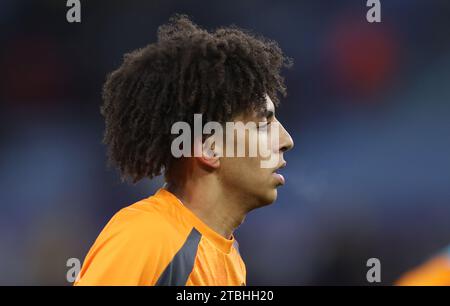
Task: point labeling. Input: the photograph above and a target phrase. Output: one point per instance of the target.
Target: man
(183, 234)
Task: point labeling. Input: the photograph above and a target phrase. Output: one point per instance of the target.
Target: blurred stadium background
(368, 108)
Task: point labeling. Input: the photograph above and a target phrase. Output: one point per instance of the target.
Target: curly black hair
(188, 70)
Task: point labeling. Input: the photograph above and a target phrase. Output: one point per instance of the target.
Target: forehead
(269, 104)
(268, 110)
(269, 107)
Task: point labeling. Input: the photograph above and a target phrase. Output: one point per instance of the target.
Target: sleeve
(133, 249)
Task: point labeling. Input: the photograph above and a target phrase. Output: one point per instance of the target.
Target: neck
(216, 208)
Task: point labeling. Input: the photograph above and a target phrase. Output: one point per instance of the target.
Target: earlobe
(210, 159)
(209, 156)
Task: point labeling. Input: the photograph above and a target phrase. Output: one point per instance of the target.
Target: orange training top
(434, 272)
(158, 241)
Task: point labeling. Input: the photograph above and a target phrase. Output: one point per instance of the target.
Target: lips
(277, 175)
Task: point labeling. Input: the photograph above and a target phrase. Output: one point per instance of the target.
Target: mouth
(279, 177)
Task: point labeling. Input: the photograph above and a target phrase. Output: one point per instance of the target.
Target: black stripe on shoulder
(178, 270)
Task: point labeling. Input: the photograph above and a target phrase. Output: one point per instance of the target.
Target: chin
(268, 197)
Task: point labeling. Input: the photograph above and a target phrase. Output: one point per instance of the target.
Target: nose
(286, 142)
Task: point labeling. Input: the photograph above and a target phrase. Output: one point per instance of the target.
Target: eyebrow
(266, 113)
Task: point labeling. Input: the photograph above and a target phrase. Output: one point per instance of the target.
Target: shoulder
(134, 247)
(145, 221)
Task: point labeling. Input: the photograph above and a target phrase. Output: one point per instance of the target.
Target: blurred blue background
(367, 106)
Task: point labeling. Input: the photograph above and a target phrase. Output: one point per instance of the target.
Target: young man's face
(255, 176)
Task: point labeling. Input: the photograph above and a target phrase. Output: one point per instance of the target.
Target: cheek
(244, 171)
(268, 142)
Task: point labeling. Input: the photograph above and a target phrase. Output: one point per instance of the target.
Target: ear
(210, 156)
